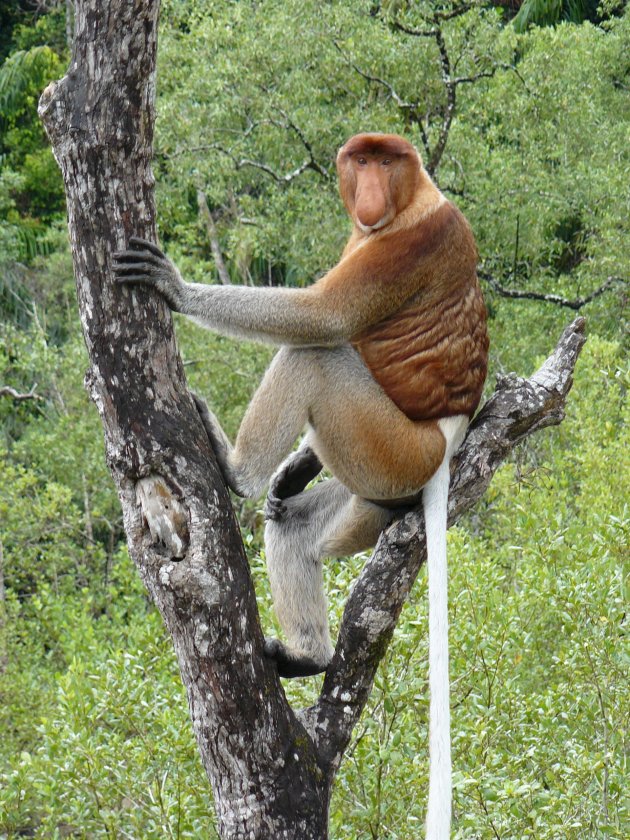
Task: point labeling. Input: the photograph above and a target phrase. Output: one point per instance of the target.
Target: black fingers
(290, 665)
(133, 278)
(137, 264)
(145, 245)
(123, 266)
(200, 403)
(122, 258)
(275, 509)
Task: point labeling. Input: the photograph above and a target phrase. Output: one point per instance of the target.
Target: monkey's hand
(292, 477)
(144, 263)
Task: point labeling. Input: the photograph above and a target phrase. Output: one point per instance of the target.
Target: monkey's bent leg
(327, 520)
(358, 432)
(364, 439)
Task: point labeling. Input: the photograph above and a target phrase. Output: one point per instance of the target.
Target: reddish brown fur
(429, 348)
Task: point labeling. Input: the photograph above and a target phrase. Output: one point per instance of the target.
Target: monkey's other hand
(290, 479)
(289, 664)
(144, 263)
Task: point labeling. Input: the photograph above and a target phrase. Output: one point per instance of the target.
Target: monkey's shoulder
(444, 228)
(434, 242)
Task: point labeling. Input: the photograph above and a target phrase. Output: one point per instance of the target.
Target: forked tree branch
(7, 391)
(434, 141)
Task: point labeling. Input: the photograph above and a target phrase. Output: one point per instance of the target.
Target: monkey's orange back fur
(430, 357)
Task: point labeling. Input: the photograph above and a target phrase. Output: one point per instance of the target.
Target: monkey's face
(378, 177)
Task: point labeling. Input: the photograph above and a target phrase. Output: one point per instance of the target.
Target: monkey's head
(379, 175)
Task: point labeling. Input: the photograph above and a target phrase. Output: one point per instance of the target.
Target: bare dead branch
(240, 162)
(451, 101)
(450, 82)
(290, 123)
(456, 12)
(522, 294)
(7, 391)
(369, 77)
(412, 108)
(213, 237)
(483, 74)
(409, 30)
(286, 178)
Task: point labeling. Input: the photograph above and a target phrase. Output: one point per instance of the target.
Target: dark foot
(290, 665)
(200, 403)
(290, 480)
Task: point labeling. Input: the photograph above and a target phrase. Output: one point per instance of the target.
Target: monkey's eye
(386, 162)
(362, 161)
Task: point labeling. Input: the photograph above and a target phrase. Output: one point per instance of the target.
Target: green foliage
(31, 193)
(97, 768)
(525, 159)
(40, 531)
(550, 12)
(20, 71)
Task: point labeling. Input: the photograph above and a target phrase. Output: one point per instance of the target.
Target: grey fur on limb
(517, 408)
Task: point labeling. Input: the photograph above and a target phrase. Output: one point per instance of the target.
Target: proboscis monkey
(384, 360)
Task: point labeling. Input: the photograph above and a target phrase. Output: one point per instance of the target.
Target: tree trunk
(271, 770)
(181, 530)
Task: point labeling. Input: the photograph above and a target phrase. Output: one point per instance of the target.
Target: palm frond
(19, 70)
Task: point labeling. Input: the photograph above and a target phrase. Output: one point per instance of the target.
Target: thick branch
(570, 303)
(181, 530)
(517, 408)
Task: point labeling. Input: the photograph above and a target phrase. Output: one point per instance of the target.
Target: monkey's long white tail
(435, 501)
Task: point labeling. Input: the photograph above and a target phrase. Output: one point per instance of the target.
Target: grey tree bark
(271, 768)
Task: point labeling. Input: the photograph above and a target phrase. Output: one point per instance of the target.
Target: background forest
(521, 112)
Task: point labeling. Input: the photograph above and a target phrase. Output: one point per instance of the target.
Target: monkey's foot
(291, 479)
(290, 664)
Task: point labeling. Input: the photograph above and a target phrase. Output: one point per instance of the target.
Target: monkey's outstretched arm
(278, 315)
(352, 296)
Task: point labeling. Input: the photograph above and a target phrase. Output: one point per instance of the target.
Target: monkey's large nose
(370, 205)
